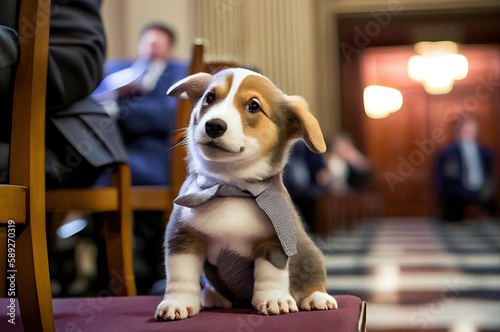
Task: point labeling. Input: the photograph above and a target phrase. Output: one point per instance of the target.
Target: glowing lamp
(437, 66)
(380, 101)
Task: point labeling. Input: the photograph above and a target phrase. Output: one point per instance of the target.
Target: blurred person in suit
(306, 177)
(349, 168)
(464, 172)
(81, 138)
(134, 91)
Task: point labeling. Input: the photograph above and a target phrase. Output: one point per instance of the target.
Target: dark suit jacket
(299, 175)
(80, 136)
(147, 122)
(449, 170)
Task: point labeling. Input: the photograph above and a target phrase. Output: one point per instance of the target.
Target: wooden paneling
(403, 146)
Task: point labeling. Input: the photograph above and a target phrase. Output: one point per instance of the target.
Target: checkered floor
(420, 274)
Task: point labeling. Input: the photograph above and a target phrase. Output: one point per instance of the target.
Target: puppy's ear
(304, 125)
(191, 87)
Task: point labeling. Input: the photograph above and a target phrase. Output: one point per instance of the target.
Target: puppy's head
(242, 125)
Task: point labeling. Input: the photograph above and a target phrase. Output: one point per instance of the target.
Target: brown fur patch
(272, 251)
(186, 240)
(316, 288)
(261, 125)
(305, 124)
(220, 91)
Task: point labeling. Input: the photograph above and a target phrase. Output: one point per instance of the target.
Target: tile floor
(419, 274)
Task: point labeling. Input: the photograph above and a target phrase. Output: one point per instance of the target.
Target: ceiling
(474, 26)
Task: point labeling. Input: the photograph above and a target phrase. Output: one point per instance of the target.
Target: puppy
(234, 221)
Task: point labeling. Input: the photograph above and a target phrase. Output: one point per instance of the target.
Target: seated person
(464, 172)
(81, 139)
(305, 177)
(136, 91)
(349, 168)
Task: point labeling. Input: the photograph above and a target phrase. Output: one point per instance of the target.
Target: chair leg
(33, 278)
(118, 233)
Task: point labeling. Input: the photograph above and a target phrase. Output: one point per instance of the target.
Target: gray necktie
(270, 200)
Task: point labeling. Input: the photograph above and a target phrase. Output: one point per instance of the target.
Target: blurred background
(392, 83)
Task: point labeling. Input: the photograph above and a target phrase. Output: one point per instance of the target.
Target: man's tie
(270, 200)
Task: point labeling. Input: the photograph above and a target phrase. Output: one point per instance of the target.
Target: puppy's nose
(215, 128)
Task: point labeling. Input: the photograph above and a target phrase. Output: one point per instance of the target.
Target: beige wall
(274, 35)
(294, 42)
(124, 19)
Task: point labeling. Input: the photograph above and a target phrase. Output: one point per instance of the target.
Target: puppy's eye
(209, 98)
(253, 106)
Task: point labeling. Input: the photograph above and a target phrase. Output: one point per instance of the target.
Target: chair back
(184, 108)
(27, 166)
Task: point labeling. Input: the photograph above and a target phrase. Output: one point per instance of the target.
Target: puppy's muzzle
(215, 128)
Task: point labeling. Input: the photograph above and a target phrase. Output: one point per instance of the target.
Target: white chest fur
(235, 224)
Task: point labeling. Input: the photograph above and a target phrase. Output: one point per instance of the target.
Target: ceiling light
(380, 101)
(437, 66)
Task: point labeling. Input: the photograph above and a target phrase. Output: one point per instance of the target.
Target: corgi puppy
(234, 221)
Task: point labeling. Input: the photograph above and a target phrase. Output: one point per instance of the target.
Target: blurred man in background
(134, 91)
(464, 172)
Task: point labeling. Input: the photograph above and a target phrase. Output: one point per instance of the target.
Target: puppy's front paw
(319, 300)
(274, 303)
(174, 308)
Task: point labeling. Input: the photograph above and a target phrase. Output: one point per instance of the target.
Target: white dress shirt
(153, 74)
(473, 176)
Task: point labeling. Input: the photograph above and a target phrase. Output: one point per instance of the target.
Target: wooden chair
(118, 201)
(27, 156)
(22, 201)
(337, 213)
(114, 202)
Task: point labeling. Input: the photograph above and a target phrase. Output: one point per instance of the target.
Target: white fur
(320, 301)
(230, 223)
(233, 139)
(182, 296)
(271, 295)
